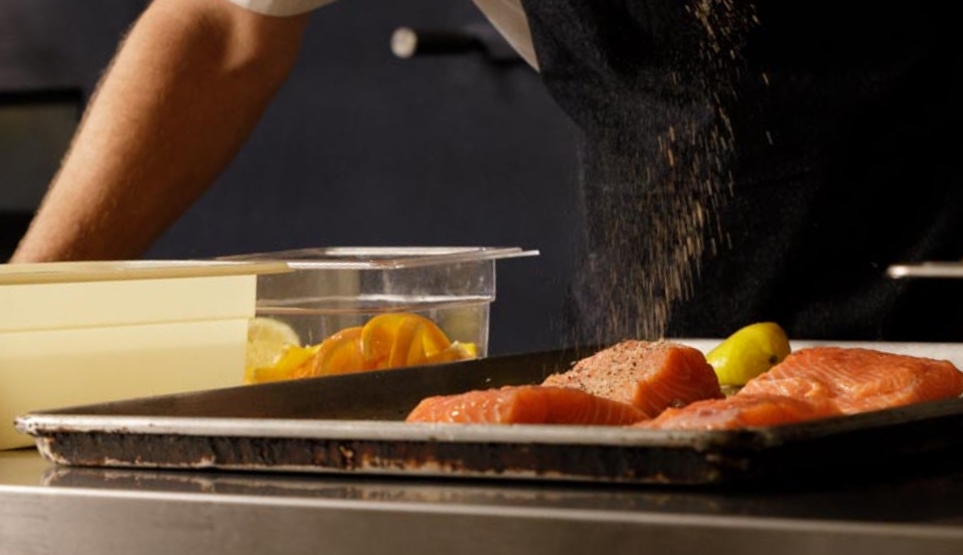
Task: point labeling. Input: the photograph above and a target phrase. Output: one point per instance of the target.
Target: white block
(61, 368)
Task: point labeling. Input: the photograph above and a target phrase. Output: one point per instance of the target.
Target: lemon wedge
(749, 352)
(267, 340)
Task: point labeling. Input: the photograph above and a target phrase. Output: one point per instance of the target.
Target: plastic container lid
(383, 258)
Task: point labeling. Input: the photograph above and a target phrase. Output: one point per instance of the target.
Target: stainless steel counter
(47, 509)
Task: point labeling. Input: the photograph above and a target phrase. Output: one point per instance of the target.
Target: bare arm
(185, 90)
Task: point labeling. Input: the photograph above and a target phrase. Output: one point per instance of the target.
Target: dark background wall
(362, 148)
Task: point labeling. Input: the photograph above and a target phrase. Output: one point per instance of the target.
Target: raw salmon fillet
(652, 376)
(742, 411)
(530, 404)
(858, 380)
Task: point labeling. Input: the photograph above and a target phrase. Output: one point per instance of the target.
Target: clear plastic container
(332, 289)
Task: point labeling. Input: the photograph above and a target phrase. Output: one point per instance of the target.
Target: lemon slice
(749, 352)
(267, 340)
(455, 352)
(284, 368)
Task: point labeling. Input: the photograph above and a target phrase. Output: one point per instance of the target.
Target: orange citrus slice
(378, 337)
(400, 339)
(403, 338)
(431, 339)
(337, 354)
(343, 354)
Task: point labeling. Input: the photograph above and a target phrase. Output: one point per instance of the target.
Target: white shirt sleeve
(281, 7)
(509, 18)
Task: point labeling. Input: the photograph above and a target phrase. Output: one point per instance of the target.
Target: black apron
(743, 163)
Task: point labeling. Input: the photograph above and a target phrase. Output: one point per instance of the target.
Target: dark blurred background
(360, 147)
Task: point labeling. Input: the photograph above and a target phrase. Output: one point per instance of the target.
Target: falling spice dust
(690, 163)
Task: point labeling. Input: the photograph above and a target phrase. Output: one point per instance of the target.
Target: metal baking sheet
(354, 424)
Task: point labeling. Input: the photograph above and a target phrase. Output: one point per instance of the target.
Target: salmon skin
(652, 376)
(821, 382)
(741, 411)
(859, 380)
(530, 404)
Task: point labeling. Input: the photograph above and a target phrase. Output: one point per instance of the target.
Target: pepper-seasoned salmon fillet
(742, 411)
(859, 380)
(529, 404)
(652, 376)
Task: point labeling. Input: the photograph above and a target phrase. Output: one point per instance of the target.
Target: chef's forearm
(183, 93)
